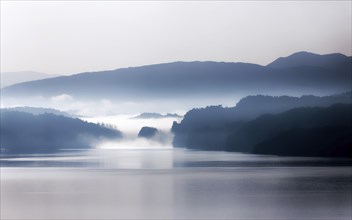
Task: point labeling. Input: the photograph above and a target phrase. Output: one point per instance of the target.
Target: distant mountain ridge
(37, 110)
(153, 115)
(309, 59)
(11, 78)
(199, 79)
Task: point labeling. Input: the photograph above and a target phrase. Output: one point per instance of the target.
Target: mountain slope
(309, 59)
(268, 126)
(22, 132)
(328, 141)
(209, 128)
(11, 78)
(37, 110)
(191, 79)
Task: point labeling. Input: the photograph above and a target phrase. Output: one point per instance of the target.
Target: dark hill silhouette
(269, 126)
(331, 141)
(153, 134)
(147, 132)
(208, 128)
(193, 79)
(46, 133)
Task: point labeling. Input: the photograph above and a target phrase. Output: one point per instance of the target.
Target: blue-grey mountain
(327, 141)
(147, 132)
(38, 110)
(301, 73)
(23, 132)
(272, 131)
(11, 78)
(212, 127)
(154, 115)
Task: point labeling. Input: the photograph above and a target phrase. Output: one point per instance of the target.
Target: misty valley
(287, 126)
(310, 117)
(181, 140)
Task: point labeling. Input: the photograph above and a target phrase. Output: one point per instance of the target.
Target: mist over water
(108, 107)
(130, 127)
(140, 178)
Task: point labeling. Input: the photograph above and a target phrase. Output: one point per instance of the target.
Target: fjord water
(167, 183)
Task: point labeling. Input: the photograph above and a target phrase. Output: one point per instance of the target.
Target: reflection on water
(174, 183)
(161, 158)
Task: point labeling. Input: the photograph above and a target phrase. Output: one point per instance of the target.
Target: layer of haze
(71, 37)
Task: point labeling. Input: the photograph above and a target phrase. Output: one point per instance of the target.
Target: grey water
(173, 184)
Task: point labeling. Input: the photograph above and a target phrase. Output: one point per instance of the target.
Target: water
(173, 184)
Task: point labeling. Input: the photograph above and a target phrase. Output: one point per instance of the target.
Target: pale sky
(61, 37)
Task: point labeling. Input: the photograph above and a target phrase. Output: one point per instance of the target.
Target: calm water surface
(173, 184)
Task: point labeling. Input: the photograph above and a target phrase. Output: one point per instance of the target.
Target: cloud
(61, 98)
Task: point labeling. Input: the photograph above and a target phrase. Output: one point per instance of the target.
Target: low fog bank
(92, 107)
(206, 128)
(130, 126)
(107, 107)
(41, 133)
